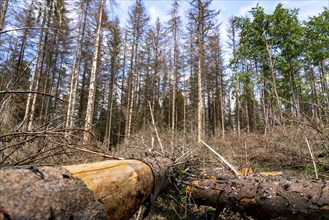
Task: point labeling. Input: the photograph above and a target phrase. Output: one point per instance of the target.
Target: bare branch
(35, 92)
(24, 28)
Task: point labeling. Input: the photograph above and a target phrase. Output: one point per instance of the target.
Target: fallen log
(264, 197)
(112, 189)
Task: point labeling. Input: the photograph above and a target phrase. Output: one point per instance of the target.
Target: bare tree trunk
(199, 100)
(237, 109)
(278, 101)
(113, 69)
(38, 78)
(3, 9)
(92, 85)
(53, 76)
(74, 73)
(46, 87)
(131, 84)
(59, 80)
(222, 112)
(124, 67)
(34, 73)
(237, 83)
(265, 112)
(174, 85)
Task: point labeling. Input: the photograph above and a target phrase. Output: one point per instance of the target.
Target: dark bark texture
(264, 198)
(46, 193)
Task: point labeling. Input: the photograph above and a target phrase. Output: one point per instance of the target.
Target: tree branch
(36, 92)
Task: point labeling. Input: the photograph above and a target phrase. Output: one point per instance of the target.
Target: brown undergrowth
(281, 149)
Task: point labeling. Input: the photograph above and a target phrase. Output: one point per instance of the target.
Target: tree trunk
(33, 74)
(110, 189)
(38, 78)
(200, 100)
(174, 87)
(264, 198)
(92, 84)
(271, 65)
(3, 9)
(74, 73)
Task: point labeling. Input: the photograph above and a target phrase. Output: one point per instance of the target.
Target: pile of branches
(47, 145)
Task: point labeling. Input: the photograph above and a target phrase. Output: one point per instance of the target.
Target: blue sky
(161, 8)
(228, 8)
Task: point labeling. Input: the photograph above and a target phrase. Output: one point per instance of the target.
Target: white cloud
(154, 13)
(158, 11)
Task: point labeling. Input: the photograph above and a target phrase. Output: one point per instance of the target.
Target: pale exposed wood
(122, 186)
(115, 188)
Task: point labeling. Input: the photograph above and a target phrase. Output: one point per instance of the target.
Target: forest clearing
(185, 116)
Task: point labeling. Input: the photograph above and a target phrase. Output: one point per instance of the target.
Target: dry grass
(283, 148)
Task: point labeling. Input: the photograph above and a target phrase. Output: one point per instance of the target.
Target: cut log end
(46, 193)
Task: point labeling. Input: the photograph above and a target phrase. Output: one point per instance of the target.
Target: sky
(228, 8)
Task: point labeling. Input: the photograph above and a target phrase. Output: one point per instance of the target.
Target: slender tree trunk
(222, 112)
(74, 73)
(271, 64)
(3, 8)
(247, 117)
(131, 83)
(23, 46)
(59, 80)
(46, 86)
(53, 76)
(174, 85)
(200, 57)
(83, 80)
(237, 83)
(107, 136)
(34, 73)
(265, 110)
(237, 107)
(199, 100)
(92, 84)
(324, 83)
(38, 78)
(124, 68)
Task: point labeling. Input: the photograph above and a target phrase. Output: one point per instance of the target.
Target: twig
(313, 159)
(156, 131)
(139, 213)
(236, 172)
(182, 157)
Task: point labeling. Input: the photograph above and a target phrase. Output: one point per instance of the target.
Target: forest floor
(282, 149)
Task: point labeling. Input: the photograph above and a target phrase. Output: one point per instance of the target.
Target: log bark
(110, 189)
(264, 198)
